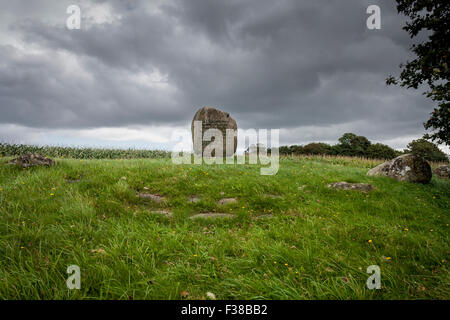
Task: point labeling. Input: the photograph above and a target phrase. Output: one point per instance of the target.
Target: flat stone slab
(212, 215)
(153, 197)
(363, 187)
(273, 196)
(263, 216)
(164, 213)
(194, 199)
(227, 201)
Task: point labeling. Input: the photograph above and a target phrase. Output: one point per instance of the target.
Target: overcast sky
(138, 70)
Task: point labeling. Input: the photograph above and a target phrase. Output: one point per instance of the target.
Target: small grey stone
(153, 197)
(263, 216)
(442, 172)
(364, 187)
(273, 196)
(164, 213)
(32, 160)
(194, 199)
(227, 201)
(71, 181)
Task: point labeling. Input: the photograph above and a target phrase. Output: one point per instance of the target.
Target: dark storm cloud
(285, 63)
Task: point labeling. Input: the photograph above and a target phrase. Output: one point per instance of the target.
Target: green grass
(314, 247)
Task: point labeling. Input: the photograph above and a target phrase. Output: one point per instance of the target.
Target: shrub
(427, 150)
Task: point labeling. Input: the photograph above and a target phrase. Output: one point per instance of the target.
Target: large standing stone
(442, 172)
(406, 167)
(217, 119)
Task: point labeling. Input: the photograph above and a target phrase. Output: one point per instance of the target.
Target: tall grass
(7, 149)
(11, 150)
(360, 162)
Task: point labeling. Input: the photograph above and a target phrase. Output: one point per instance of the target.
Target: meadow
(290, 236)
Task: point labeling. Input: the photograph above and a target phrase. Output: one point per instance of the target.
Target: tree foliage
(381, 151)
(317, 148)
(353, 145)
(431, 64)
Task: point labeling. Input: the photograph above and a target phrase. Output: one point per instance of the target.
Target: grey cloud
(271, 64)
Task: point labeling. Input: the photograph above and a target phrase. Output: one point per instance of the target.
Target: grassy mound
(291, 236)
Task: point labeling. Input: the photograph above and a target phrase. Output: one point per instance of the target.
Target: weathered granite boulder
(363, 187)
(442, 172)
(406, 167)
(217, 119)
(32, 160)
